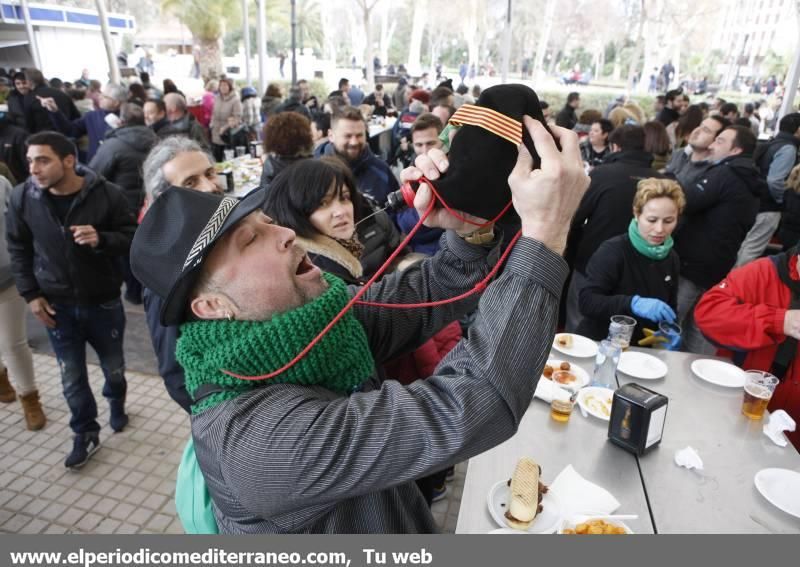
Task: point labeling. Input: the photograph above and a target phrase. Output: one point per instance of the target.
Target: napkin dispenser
(637, 418)
(255, 149)
(226, 181)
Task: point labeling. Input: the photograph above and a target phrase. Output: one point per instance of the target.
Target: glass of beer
(621, 330)
(758, 389)
(561, 406)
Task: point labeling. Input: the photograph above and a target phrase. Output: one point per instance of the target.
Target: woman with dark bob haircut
(318, 199)
(287, 139)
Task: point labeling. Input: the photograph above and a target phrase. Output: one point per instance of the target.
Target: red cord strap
(356, 300)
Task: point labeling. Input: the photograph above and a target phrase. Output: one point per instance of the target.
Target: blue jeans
(103, 327)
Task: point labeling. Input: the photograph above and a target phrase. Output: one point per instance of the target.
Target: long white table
(720, 499)
(581, 442)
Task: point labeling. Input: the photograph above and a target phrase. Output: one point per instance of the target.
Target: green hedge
(317, 87)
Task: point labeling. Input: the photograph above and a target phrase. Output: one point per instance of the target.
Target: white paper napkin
(578, 496)
(779, 421)
(688, 458)
(545, 390)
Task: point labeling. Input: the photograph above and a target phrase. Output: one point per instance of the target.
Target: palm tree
(206, 20)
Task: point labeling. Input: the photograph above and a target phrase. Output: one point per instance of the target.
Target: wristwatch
(482, 235)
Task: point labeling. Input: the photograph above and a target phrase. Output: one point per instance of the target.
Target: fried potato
(595, 527)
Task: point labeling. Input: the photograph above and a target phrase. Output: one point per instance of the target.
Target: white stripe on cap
(212, 229)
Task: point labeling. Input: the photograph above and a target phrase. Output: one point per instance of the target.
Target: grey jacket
(686, 171)
(224, 108)
(6, 276)
(294, 459)
(185, 126)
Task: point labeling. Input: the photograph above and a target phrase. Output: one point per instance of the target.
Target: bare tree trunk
(653, 57)
(637, 51)
(210, 58)
(387, 32)
(356, 39)
(554, 59)
(544, 39)
(792, 77)
(329, 37)
(113, 70)
(436, 46)
(616, 72)
(602, 62)
(417, 29)
(506, 44)
(261, 41)
(369, 52)
(469, 29)
(246, 29)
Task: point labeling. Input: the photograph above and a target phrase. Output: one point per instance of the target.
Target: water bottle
(605, 365)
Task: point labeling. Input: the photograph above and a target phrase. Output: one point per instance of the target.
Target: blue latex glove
(653, 309)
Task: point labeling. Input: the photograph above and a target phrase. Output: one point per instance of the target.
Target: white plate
(582, 377)
(781, 487)
(719, 373)
(641, 365)
(545, 523)
(582, 347)
(591, 401)
(506, 531)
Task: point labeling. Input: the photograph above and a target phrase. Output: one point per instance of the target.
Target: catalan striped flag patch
(490, 120)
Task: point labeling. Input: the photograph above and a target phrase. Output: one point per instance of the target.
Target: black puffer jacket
(605, 210)
(16, 108)
(186, 126)
(37, 117)
(273, 165)
(45, 259)
(789, 231)
(720, 209)
(120, 157)
(164, 340)
(380, 238)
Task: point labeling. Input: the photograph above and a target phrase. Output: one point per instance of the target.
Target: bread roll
(523, 498)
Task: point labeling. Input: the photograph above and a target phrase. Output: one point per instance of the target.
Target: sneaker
(118, 419)
(439, 493)
(84, 446)
(450, 475)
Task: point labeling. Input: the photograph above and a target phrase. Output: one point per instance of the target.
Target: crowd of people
(662, 214)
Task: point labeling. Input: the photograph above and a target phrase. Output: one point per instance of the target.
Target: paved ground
(128, 486)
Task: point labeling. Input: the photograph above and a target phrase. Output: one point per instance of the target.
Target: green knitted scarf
(341, 361)
(652, 251)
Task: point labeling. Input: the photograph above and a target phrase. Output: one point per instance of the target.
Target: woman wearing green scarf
(636, 273)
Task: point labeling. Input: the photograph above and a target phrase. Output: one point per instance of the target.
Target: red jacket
(422, 362)
(745, 312)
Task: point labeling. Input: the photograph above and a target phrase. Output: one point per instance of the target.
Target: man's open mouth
(305, 266)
